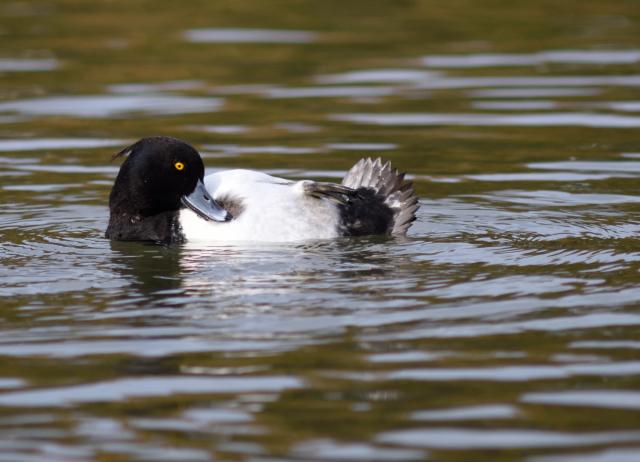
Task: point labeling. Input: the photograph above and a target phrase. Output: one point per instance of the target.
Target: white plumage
(273, 209)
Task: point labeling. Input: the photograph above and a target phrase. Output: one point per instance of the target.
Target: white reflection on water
(589, 166)
(615, 399)
(463, 438)
(515, 105)
(136, 347)
(176, 85)
(532, 92)
(532, 81)
(220, 129)
(480, 329)
(559, 198)
(98, 429)
(70, 168)
(406, 357)
(608, 455)
(531, 59)
(340, 451)
(508, 285)
(362, 146)
(7, 382)
(438, 80)
(27, 449)
(297, 127)
(238, 35)
(216, 415)
(163, 424)
(153, 386)
(41, 187)
(329, 92)
(632, 344)
(248, 89)
(544, 176)
(18, 160)
(557, 119)
(28, 65)
(622, 106)
(235, 149)
(36, 144)
(111, 105)
(517, 373)
(378, 76)
(487, 411)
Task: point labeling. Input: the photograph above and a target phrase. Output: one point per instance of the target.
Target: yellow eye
(179, 166)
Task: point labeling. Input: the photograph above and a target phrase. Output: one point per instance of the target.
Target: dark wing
(331, 191)
(363, 211)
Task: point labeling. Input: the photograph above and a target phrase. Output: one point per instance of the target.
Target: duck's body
(161, 194)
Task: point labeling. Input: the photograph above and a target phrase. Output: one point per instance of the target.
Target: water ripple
(103, 106)
(461, 438)
(556, 119)
(330, 450)
(484, 412)
(589, 166)
(608, 455)
(31, 144)
(237, 35)
(615, 399)
(28, 65)
(120, 389)
(533, 59)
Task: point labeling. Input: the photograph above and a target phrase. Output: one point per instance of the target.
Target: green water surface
(504, 327)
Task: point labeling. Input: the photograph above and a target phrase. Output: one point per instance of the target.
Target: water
(504, 327)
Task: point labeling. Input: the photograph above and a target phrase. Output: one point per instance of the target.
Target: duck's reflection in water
(153, 270)
(304, 291)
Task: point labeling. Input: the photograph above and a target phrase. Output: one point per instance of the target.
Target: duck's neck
(161, 227)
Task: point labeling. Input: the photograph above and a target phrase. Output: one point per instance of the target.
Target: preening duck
(162, 195)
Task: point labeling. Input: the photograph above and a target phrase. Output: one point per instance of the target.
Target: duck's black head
(158, 177)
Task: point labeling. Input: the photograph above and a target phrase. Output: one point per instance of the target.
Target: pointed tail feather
(387, 182)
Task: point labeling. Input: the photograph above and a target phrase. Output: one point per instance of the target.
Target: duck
(161, 194)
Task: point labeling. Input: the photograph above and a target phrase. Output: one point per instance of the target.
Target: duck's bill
(201, 202)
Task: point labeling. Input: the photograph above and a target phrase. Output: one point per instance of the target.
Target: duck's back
(264, 208)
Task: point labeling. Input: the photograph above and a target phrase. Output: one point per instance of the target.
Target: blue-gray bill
(201, 202)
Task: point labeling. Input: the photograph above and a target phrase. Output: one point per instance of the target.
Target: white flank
(275, 210)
